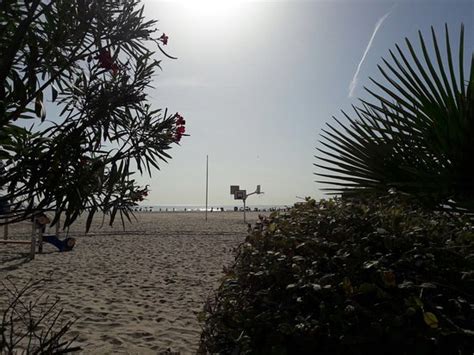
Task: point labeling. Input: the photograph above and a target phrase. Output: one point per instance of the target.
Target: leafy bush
(348, 276)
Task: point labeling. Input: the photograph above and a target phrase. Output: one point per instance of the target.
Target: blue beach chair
(62, 245)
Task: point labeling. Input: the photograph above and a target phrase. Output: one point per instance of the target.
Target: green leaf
(430, 319)
(272, 227)
(367, 288)
(54, 93)
(39, 106)
(19, 88)
(347, 286)
(89, 218)
(369, 264)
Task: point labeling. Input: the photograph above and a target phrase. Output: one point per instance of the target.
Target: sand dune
(136, 291)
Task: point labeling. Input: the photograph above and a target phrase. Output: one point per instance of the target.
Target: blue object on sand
(4, 206)
(63, 245)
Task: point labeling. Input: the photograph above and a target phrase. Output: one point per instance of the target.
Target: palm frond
(417, 135)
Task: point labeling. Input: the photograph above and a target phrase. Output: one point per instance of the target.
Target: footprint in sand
(111, 340)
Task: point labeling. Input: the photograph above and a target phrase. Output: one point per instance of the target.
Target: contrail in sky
(353, 83)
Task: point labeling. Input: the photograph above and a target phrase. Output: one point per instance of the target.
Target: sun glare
(210, 8)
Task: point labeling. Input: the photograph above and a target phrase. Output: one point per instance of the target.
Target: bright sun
(210, 8)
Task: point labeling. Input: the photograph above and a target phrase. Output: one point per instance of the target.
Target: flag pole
(207, 181)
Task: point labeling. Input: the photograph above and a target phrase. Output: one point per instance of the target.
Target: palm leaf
(417, 134)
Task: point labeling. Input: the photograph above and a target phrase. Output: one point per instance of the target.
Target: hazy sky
(257, 80)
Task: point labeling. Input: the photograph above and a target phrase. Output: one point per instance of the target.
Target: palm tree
(418, 136)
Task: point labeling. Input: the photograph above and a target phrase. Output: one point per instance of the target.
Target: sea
(210, 208)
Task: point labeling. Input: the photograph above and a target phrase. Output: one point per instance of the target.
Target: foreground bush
(345, 276)
(32, 323)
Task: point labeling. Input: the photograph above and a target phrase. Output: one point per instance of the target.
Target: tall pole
(58, 226)
(33, 238)
(5, 229)
(207, 181)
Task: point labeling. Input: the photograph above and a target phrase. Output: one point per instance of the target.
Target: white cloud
(354, 80)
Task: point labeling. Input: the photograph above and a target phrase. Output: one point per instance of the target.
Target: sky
(257, 81)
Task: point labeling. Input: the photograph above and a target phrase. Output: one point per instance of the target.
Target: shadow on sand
(13, 262)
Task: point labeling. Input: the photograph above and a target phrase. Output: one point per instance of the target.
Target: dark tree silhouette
(93, 60)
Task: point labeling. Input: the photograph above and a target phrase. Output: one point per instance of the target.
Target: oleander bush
(360, 276)
(76, 121)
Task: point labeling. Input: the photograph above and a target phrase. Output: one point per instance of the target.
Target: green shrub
(348, 276)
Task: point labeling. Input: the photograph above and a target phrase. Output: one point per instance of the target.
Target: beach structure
(38, 227)
(242, 195)
(38, 224)
(4, 210)
(207, 183)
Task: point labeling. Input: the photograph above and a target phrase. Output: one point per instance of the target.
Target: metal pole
(40, 240)
(58, 223)
(207, 181)
(245, 211)
(5, 230)
(33, 239)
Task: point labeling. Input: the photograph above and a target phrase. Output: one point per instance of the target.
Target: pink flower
(181, 130)
(180, 121)
(106, 61)
(163, 39)
(115, 69)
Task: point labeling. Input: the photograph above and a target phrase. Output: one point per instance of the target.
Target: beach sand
(137, 291)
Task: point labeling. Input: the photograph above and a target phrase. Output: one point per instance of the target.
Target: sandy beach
(138, 290)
